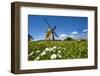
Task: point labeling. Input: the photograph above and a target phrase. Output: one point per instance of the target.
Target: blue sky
(66, 26)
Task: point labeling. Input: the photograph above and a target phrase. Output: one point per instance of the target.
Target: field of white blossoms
(53, 50)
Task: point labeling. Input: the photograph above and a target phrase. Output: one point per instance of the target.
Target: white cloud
(72, 36)
(75, 36)
(62, 36)
(85, 30)
(74, 33)
(84, 35)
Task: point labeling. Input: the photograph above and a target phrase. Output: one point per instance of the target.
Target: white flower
(37, 58)
(37, 51)
(59, 51)
(43, 53)
(50, 49)
(59, 47)
(54, 50)
(64, 49)
(54, 47)
(59, 55)
(53, 56)
(31, 53)
(46, 49)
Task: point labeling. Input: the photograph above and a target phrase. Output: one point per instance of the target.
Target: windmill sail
(50, 32)
(47, 23)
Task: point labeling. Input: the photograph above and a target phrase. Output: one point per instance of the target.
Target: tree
(30, 37)
(68, 39)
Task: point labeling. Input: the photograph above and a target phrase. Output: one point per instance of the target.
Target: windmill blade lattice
(47, 23)
(55, 34)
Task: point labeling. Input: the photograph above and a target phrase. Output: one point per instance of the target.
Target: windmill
(50, 33)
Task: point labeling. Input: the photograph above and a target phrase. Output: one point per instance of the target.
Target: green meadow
(53, 50)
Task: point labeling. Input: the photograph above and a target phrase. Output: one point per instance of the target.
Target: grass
(51, 50)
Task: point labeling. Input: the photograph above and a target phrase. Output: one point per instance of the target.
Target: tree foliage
(30, 37)
(68, 39)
